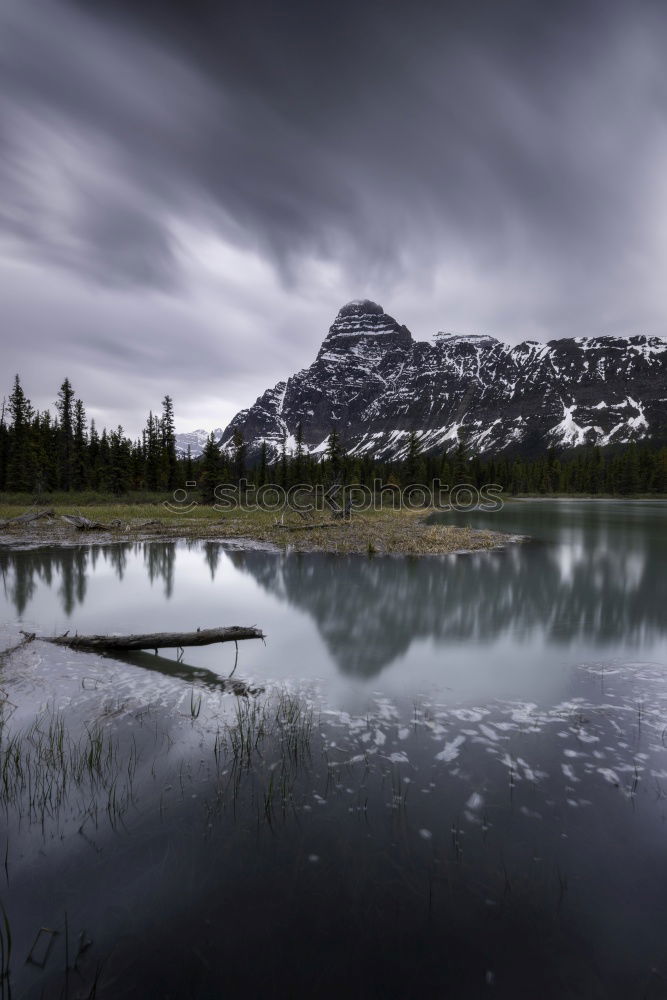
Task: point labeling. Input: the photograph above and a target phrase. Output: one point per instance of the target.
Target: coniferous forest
(44, 452)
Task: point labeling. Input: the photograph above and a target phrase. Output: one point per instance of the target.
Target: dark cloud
(478, 165)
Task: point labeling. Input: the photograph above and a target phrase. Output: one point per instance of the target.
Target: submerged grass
(51, 776)
(268, 764)
(45, 769)
(262, 754)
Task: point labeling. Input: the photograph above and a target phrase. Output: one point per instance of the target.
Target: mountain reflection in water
(595, 574)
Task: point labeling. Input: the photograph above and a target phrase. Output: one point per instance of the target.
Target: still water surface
(479, 811)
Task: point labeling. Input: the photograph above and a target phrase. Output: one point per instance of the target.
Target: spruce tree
(168, 459)
(334, 455)
(239, 449)
(80, 448)
(414, 468)
(211, 470)
(284, 465)
(298, 464)
(119, 469)
(20, 469)
(460, 461)
(630, 476)
(65, 409)
(262, 472)
(4, 447)
(152, 439)
(94, 457)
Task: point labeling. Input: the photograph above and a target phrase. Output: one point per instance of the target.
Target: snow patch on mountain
(196, 440)
(376, 385)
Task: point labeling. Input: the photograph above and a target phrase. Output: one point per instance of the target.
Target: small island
(381, 532)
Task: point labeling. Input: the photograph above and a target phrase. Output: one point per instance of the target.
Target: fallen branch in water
(27, 518)
(27, 637)
(84, 523)
(306, 527)
(155, 640)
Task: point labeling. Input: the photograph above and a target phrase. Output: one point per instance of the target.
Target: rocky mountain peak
(362, 321)
(361, 307)
(376, 385)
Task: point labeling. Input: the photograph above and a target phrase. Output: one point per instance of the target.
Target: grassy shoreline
(385, 531)
(88, 500)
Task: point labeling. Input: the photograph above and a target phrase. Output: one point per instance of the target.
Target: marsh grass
(195, 704)
(372, 532)
(262, 754)
(51, 775)
(45, 770)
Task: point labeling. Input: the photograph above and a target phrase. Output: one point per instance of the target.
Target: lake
(453, 782)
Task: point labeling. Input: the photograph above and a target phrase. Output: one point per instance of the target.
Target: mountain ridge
(376, 384)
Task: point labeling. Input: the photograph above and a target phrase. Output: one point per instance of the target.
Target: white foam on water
(451, 749)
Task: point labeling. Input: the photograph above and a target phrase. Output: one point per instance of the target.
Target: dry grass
(384, 531)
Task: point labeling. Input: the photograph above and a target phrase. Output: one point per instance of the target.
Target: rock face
(375, 384)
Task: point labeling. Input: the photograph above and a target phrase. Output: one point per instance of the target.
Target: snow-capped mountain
(196, 440)
(376, 384)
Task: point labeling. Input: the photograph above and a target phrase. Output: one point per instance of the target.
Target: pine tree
(4, 447)
(660, 473)
(152, 444)
(103, 459)
(284, 465)
(44, 450)
(65, 409)
(80, 448)
(168, 434)
(298, 464)
(460, 463)
(334, 455)
(119, 474)
(137, 465)
(630, 476)
(20, 469)
(93, 457)
(210, 475)
(414, 469)
(262, 472)
(239, 449)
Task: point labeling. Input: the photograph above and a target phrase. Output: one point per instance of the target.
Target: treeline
(41, 452)
(630, 470)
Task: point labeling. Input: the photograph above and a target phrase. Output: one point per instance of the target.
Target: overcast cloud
(190, 192)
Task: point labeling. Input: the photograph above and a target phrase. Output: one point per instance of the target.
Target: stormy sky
(189, 192)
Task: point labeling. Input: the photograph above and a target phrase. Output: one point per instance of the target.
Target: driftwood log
(155, 640)
(84, 523)
(27, 637)
(306, 527)
(27, 518)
